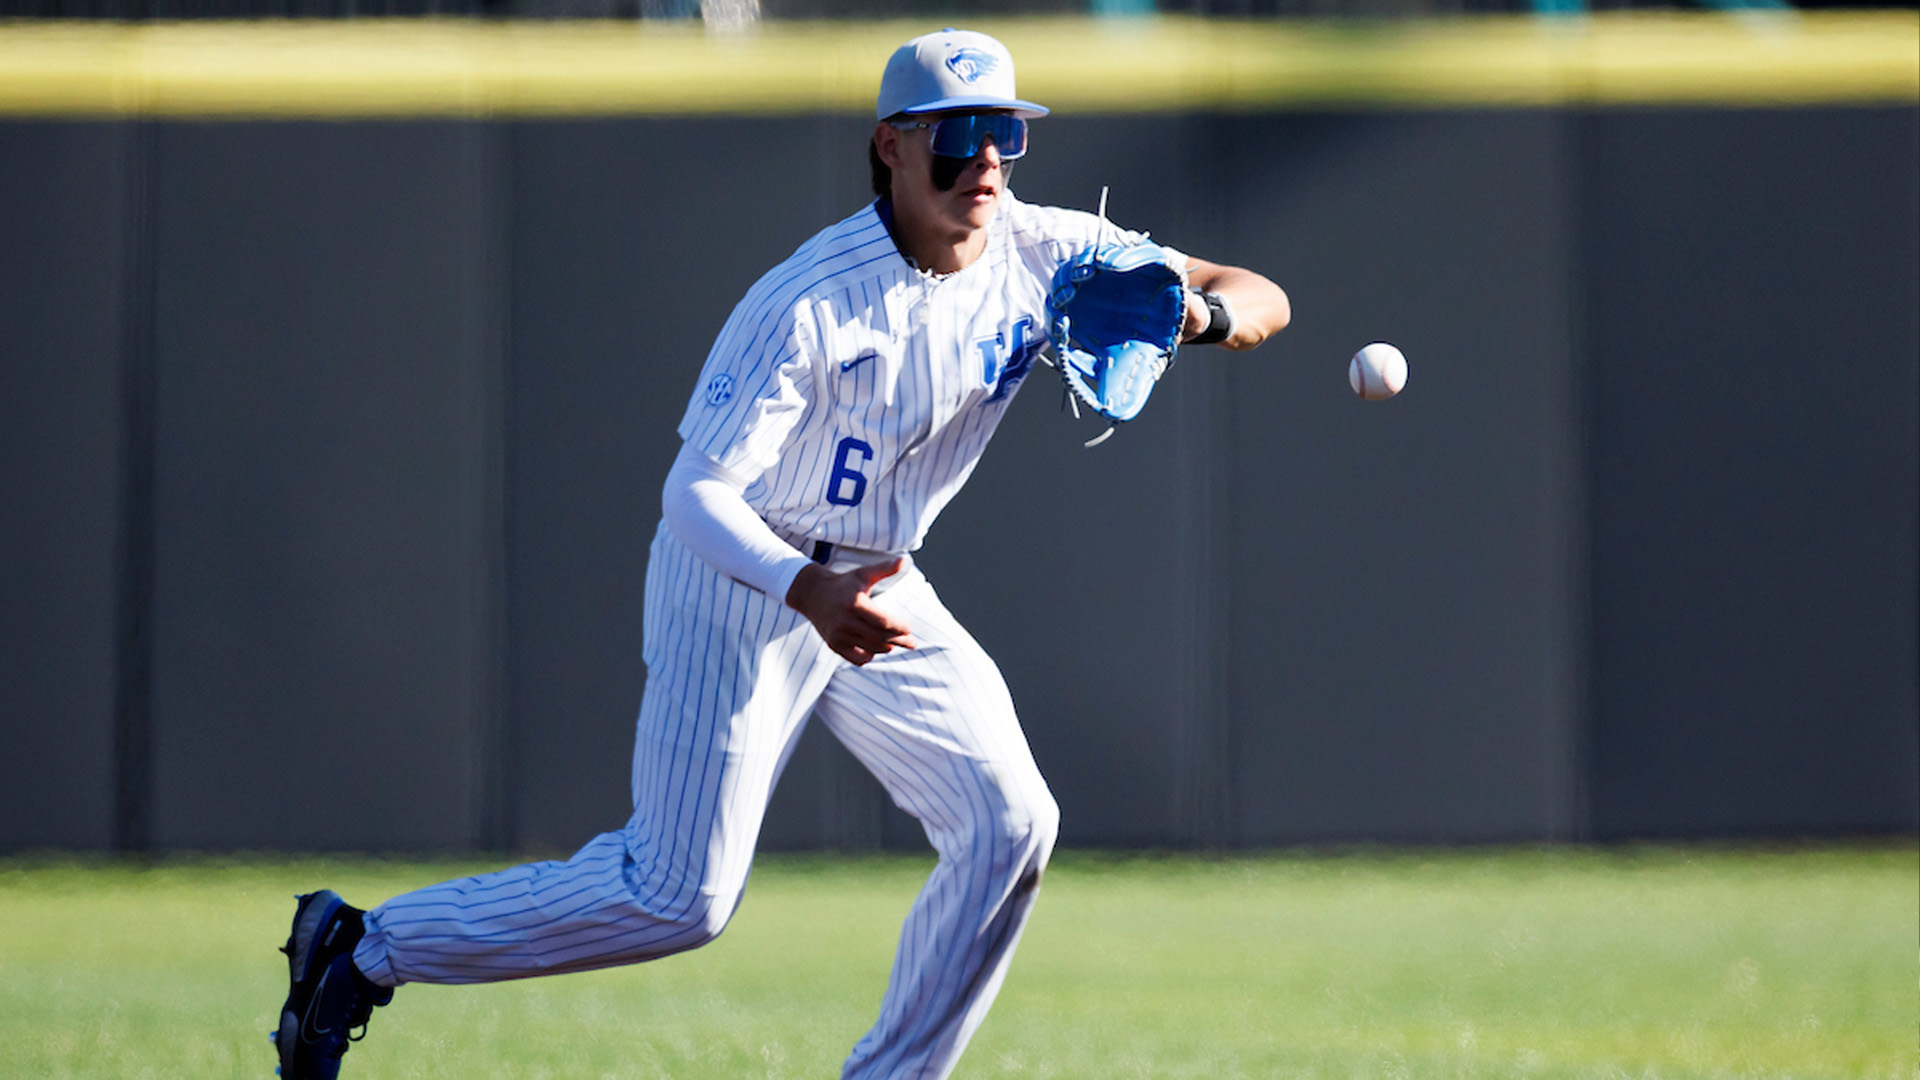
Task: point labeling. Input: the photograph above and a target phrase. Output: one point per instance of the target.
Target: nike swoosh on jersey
(849, 365)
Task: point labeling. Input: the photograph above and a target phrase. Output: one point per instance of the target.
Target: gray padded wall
(1755, 364)
(61, 192)
(323, 534)
(417, 383)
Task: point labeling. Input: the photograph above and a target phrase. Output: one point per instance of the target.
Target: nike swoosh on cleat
(306, 1023)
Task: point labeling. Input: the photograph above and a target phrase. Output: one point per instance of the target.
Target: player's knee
(1011, 824)
(699, 909)
(1031, 824)
(706, 917)
(712, 923)
(1045, 814)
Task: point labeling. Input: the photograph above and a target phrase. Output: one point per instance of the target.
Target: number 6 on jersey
(847, 475)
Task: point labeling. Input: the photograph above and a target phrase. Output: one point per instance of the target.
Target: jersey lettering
(990, 357)
(1019, 362)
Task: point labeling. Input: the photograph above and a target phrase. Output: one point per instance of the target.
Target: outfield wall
(333, 442)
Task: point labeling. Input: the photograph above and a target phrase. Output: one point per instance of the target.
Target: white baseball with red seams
(1377, 372)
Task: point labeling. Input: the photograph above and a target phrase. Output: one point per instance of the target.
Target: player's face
(961, 193)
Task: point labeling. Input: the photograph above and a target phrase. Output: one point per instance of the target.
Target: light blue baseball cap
(951, 69)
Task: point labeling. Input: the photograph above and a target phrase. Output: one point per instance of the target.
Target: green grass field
(1636, 964)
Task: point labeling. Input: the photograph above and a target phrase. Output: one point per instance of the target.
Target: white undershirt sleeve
(704, 506)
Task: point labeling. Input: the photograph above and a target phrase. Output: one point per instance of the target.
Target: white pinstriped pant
(732, 677)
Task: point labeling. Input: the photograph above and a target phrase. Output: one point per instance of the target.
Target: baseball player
(844, 403)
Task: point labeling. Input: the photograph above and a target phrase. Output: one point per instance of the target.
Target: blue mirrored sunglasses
(962, 136)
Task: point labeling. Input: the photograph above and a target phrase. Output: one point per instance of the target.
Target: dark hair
(882, 176)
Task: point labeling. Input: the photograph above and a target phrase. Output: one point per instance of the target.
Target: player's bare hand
(844, 614)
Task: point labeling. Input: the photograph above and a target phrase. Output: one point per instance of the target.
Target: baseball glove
(1114, 314)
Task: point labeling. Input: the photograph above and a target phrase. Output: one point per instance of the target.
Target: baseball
(1377, 371)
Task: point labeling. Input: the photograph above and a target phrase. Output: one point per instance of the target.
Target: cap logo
(972, 64)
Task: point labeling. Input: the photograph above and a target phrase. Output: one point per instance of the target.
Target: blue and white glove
(1114, 314)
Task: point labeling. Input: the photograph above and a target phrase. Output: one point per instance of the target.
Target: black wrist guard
(1219, 319)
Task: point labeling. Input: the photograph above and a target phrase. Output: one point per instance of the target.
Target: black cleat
(327, 998)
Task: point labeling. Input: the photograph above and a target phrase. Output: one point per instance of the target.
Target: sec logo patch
(720, 389)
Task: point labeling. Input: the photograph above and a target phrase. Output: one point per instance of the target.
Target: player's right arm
(705, 506)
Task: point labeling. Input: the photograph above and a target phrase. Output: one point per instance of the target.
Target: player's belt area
(829, 554)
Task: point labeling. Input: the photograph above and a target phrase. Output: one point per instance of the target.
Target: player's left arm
(1259, 307)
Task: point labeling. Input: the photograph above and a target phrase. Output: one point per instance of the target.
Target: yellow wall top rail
(418, 68)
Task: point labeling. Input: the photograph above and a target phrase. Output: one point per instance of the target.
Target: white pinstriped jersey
(858, 393)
